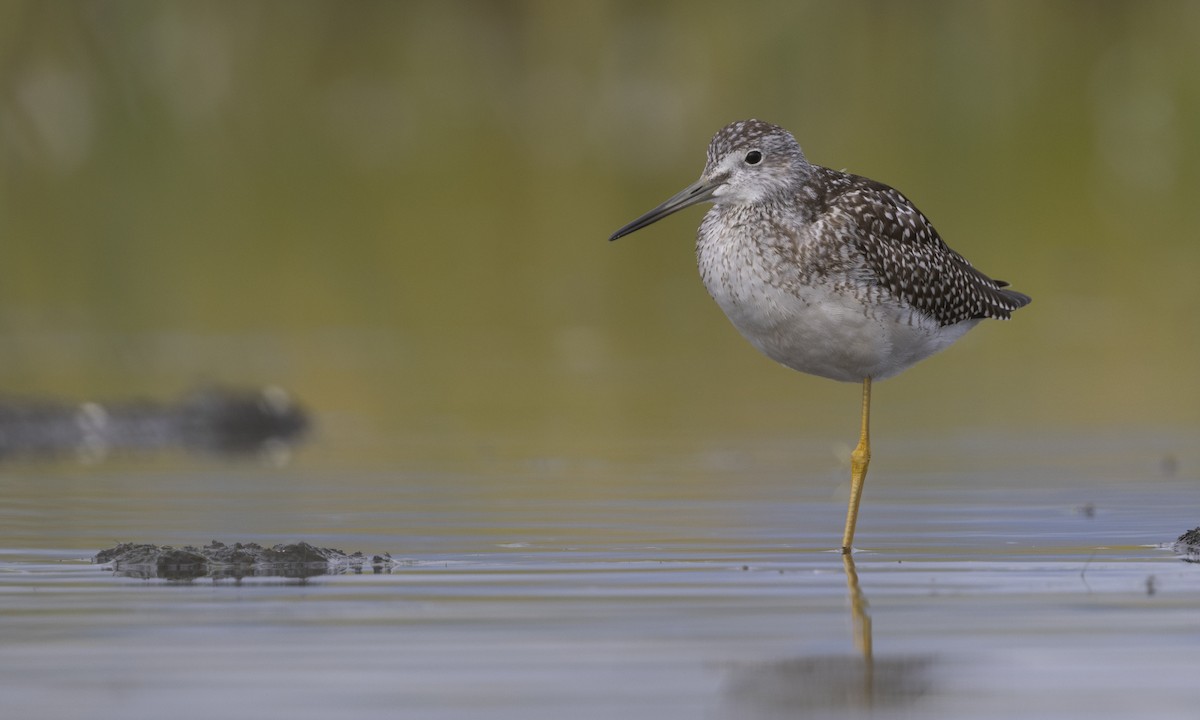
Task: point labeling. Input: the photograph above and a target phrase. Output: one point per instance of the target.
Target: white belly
(822, 332)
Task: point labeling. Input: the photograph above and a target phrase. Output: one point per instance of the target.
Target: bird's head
(749, 162)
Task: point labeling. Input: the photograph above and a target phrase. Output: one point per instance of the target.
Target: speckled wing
(908, 258)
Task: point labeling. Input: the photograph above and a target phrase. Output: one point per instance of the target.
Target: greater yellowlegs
(826, 272)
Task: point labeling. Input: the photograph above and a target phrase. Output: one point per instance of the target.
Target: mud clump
(239, 560)
(1188, 545)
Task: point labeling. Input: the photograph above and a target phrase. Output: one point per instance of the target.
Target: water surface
(708, 588)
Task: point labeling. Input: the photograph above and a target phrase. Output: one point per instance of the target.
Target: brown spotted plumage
(906, 255)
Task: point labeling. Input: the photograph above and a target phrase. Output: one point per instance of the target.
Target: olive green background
(399, 211)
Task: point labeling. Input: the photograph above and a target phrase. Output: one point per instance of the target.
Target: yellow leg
(859, 459)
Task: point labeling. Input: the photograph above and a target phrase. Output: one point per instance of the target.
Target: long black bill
(697, 192)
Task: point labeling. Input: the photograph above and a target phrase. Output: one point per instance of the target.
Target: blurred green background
(399, 210)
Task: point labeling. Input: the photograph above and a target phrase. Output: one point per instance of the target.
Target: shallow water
(1038, 587)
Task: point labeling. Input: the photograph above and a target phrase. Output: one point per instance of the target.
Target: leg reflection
(861, 620)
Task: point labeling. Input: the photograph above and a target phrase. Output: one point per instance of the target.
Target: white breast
(823, 326)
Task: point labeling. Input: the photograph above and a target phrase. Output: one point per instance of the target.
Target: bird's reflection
(858, 682)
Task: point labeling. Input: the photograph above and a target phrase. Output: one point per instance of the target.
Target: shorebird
(826, 272)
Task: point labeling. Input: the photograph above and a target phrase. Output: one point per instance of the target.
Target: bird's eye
(753, 157)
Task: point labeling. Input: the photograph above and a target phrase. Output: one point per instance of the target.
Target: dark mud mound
(212, 420)
(1188, 545)
(239, 560)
